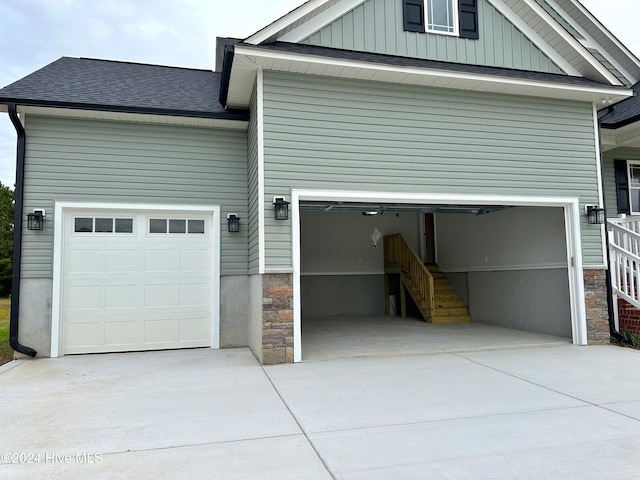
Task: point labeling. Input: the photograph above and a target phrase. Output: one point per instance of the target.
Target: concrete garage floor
(564, 412)
(325, 338)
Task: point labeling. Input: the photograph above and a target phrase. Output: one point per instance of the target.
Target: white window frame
(630, 165)
(456, 23)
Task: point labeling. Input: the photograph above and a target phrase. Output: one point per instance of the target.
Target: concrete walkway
(562, 412)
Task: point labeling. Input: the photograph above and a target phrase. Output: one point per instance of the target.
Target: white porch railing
(624, 243)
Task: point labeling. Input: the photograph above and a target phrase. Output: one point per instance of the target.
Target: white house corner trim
(261, 189)
(599, 167)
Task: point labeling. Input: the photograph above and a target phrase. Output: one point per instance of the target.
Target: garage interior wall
(510, 267)
(342, 273)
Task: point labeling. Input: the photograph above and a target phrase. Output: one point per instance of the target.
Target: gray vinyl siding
(103, 161)
(253, 217)
(377, 26)
(325, 133)
(608, 175)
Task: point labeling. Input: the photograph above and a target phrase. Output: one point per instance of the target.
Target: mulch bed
(5, 359)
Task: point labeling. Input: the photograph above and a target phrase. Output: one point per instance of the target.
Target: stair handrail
(625, 238)
(399, 253)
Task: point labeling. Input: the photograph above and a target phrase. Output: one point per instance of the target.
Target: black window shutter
(622, 186)
(413, 14)
(468, 19)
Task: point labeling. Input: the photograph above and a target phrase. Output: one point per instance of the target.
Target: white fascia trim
(570, 205)
(572, 41)
(147, 118)
(537, 40)
(598, 155)
(589, 41)
(58, 248)
(261, 204)
(294, 57)
(320, 21)
(607, 33)
(283, 22)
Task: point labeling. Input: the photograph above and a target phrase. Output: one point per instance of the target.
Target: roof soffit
(248, 60)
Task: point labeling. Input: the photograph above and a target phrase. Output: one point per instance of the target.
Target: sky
(34, 33)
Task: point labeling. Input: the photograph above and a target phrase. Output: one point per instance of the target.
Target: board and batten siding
(338, 134)
(81, 160)
(252, 223)
(609, 175)
(376, 26)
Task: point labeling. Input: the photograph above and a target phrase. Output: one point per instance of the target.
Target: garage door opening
(507, 264)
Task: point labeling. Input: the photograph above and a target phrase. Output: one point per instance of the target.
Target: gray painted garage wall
(255, 315)
(35, 314)
(334, 243)
(335, 295)
(234, 311)
(84, 160)
(341, 272)
(530, 300)
(515, 238)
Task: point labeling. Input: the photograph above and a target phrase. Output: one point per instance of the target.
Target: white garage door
(136, 281)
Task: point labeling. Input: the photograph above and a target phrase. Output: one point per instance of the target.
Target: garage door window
(176, 226)
(103, 225)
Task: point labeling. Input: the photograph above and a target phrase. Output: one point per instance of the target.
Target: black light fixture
(280, 208)
(233, 222)
(35, 220)
(595, 214)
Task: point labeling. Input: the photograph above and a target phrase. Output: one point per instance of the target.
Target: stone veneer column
(277, 318)
(595, 293)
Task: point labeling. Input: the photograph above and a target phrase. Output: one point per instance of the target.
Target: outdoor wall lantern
(280, 208)
(35, 220)
(595, 214)
(233, 222)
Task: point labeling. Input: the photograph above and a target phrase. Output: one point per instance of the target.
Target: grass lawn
(6, 353)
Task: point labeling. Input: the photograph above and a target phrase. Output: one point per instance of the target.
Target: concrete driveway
(561, 412)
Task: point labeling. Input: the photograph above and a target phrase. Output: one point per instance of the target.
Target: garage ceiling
(381, 208)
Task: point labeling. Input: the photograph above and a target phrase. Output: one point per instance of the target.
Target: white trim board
(360, 70)
(261, 203)
(570, 205)
(60, 209)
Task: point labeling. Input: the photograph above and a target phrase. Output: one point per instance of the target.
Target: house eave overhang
(248, 60)
(622, 135)
(232, 120)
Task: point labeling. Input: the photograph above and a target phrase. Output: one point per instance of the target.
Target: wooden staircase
(449, 308)
(429, 288)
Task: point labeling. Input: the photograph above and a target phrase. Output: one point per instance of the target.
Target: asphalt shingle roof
(121, 86)
(622, 113)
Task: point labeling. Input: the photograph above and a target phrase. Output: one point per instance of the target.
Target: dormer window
(448, 17)
(441, 16)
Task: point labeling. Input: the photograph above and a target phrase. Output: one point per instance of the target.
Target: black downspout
(17, 236)
(611, 307)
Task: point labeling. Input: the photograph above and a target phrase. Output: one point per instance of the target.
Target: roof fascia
(564, 35)
(606, 32)
(130, 117)
(283, 22)
(319, 21)
(587, 93)
(232, 115)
